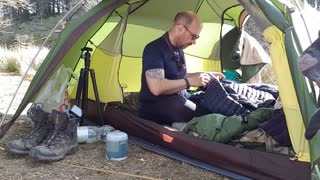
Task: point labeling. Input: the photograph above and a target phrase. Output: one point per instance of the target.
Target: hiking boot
(61, 142)
(41, 130)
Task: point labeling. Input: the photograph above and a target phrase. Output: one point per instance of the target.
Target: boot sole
(17, 152)
(52, 159)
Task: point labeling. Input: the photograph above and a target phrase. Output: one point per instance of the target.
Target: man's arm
(191, 75)
(159, 85)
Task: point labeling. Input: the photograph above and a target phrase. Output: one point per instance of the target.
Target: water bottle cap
(117, 136)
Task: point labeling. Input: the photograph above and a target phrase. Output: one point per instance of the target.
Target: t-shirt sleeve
(152, 58)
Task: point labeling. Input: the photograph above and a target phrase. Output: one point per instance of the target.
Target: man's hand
(201, 79)
(216, 75)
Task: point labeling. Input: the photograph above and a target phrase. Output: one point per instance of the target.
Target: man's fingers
(219, 75)
(211, 75)
(205, 75)
(216, 75)
(205, 81)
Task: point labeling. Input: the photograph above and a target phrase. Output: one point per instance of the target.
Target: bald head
(185, 30)
(186, 18)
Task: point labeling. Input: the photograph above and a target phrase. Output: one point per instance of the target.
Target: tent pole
(310, 40)
(34, 58)
(304, 21)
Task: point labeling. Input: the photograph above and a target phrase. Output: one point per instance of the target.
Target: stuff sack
(54, 95)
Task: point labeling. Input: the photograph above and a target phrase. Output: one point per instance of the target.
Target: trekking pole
(34, 58)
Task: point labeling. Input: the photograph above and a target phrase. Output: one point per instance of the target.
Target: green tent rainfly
(118, 30)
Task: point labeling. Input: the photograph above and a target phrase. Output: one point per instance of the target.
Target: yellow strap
(287, 93)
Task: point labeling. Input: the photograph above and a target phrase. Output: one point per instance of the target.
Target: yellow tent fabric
(287, 93)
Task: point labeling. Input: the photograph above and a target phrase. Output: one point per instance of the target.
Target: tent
(118, 30)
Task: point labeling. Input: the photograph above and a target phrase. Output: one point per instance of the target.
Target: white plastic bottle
(88, 134)
(91, 134)
(105, 130)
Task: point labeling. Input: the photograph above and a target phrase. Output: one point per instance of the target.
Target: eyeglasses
(194, 36)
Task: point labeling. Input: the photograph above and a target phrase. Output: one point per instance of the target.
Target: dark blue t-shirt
(161, 54)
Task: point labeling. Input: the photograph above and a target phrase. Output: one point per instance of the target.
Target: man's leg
(168, 110)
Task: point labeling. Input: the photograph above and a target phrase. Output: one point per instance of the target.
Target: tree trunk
(52, 7)
(59, 6)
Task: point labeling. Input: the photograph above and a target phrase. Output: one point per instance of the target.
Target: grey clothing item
(61, 142)
(309, 62)
(42, 127)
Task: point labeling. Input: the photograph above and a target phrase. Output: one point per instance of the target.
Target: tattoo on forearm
(155, 73)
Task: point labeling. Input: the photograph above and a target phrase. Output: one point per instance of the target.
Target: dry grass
(10, 65)
(23, 56)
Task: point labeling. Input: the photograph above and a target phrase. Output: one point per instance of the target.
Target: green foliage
(23, 39)
(7, 39)
(10, 65)
(314, 3)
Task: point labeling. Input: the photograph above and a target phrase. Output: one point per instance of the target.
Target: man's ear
(179, 27)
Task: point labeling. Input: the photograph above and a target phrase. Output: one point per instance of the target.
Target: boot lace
(35, 134)
(32, 111)
(39, 129)
(55, 140)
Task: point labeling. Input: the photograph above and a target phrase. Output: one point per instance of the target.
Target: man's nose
(193, 41)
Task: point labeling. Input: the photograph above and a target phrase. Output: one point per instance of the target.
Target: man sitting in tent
(163, 94)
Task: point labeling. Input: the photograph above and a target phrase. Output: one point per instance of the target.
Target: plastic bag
(54, 94)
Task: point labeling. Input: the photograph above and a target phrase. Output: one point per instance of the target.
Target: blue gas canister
(117, 146)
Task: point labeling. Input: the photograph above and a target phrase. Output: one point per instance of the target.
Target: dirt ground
(90, 163)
